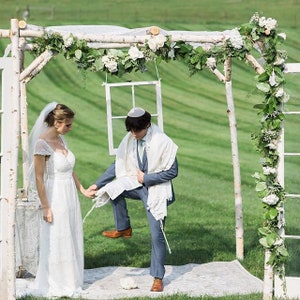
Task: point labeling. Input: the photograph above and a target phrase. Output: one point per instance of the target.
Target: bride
(51, 175)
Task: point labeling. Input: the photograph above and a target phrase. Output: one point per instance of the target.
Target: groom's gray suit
(121, 217)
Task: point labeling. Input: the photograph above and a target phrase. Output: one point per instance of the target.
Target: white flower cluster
(110, 63)
(273, 145)
(280, 93)
(236, 39)
(271, 199)
(135, 53)
(156, 41)
(269, 24)
(272, 79)
(255, 18)
(211, 62)
(269, 170)
(68, 41)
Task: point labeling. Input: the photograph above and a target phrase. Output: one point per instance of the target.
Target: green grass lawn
(201, 223)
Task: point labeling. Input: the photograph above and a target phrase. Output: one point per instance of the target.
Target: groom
(144, 167)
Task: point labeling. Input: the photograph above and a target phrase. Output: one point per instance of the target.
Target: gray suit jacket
(149, 179)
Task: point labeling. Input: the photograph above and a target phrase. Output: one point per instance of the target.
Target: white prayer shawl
(161, 153)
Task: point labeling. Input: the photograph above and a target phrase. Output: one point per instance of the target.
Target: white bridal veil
(39, 128)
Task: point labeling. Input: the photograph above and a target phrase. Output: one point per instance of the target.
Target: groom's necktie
(141, 148)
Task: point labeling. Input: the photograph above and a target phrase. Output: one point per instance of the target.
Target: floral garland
(262, 33)
(258, 34)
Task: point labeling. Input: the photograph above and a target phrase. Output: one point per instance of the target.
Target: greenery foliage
(258, 35)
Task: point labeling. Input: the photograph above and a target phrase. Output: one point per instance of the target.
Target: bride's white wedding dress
(60, 270)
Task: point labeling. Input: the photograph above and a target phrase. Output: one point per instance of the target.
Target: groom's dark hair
(138, 123)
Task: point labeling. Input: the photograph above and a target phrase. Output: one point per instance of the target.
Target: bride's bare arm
(39, 167)
(85, 192)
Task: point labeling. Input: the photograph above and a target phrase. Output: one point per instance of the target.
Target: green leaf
(261, 186)
(270, 239)
(264, 87)
(78, 54)
(263, 231)
(263, 242)
(272, 213)
(259, 106)
(283, 251)
(263, 77)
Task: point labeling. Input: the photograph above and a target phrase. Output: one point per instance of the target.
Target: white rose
(273, 145)
(211, 62)
(279, 93)
(236, 39)
(271, 199)
(282, 35)
(152, 44)
(110, 63)
(270, 24)
(279, 61)
(156, 42)
(68, 41)
(105, 59)
(269, 170)
(272, 80)
(161, 39)
(254, 18)
(135, 53)
(112, 66)
(262, 22)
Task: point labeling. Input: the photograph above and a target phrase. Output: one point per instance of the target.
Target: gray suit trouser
(122, 222)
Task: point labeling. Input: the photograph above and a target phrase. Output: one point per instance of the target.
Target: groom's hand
(140, 176)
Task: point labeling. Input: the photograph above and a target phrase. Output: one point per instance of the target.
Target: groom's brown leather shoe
(157, 285)
(114, 234)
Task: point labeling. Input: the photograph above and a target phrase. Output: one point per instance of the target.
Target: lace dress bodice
(58, 164)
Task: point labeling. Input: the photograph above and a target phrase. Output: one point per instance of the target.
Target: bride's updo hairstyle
(60, 113)
(137, 119)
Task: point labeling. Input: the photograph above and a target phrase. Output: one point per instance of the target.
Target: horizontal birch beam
(130, 39)
(5, 33)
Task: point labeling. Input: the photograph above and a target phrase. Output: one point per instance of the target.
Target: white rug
(211, 279)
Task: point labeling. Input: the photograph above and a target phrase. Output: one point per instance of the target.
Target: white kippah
(136, 112)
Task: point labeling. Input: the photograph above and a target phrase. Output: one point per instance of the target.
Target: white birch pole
(239, 231)
(268, 278)
(13, 172)
(24, 134)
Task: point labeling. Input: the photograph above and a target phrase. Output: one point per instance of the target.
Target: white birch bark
(13, 172)
(236, 164)
(268, 278)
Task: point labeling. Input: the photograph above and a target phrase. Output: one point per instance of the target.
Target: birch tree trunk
(268, 278)
(13, 172)
(239, 231)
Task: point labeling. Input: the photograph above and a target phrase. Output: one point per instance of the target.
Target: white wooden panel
(292, 283)
(109, 113)
(292, 68)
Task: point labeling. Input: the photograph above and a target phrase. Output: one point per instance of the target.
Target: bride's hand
(47, 215)
(88, 193)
